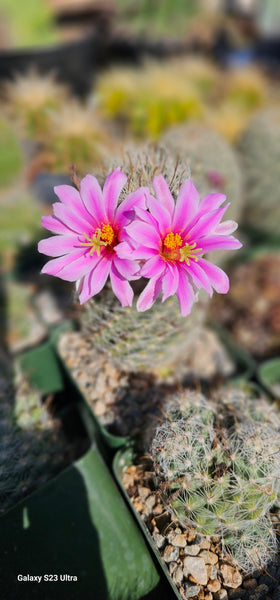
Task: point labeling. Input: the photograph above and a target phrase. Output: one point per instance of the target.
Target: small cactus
(157, 339)
(33, 448)
(219, 472)
(260, 153)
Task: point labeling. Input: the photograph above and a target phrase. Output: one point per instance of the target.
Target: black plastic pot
(73, 62)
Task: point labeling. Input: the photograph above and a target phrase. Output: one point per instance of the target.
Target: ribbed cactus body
(260, 154)
(219, 472)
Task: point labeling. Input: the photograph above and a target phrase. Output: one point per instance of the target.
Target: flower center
(106, 236)
(173, 248)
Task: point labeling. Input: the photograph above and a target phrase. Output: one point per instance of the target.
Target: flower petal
(111, 191)
(226, 228)
(198, 276)
(153, 267)
(57, 245)
(129, 269)
(160, 214)
(126, 208)
(53, 267)
(92, 198)
(95, 280)
(163, 194)
(69, 196)
(121, 288)
(78, 267)
(170, 281)
(55, 225)
(149, 294)
(207, 223)
(217, 277)
(185, 293)
(144, 234)
(71, 219)
(124, 250)
(216, 242)
(186, 205)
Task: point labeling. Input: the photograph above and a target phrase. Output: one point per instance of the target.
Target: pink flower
(172, 239)
(92, 244)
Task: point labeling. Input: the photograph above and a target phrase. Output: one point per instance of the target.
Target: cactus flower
(173, 237)
(92, 243)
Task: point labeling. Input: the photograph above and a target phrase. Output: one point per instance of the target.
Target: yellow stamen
(94, 242)
(172, 241)
(188, 252)
(107, 233)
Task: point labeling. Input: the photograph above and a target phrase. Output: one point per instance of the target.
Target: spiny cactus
(220, 474)
(158, 339)
(260, 154)
(33, 448)
(213, 164)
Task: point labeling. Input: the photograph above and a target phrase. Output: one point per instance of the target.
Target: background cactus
(158, 339)
(33, 446)
(260, 153)
(219, 472)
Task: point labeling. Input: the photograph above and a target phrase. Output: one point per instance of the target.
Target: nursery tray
(122, 460)
(77, 525)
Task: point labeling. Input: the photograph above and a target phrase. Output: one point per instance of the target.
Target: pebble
(170, 554)
(221, 595)
(178, 576)
(213, 585)
(232, 578)
(250, 584)
(179, 540)
(192, 550)
(260, 592)
(158, 539)
(209, 557)
(191, 591)
(211, 571)
(195, 566)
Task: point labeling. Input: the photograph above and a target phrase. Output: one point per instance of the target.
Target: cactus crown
(219, 472)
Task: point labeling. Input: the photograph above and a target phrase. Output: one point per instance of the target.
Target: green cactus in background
(213, 163)
(158, 339)
(33, 447)
(260, 153)
(219, 472)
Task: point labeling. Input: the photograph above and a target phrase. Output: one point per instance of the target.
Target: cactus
(33, 449)
(219, 472)
(158, 339)
(260, 153)
(213, 164)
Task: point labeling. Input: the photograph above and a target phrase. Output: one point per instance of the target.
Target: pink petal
(92, 198)
(72, 220)
(160, 214)
(185, 293)
(78, 267)
(55, 225)
(57, 245)
(217, 277)
(129, 269)
(149, 294)
(186, 205)
(216, 242)
(111, 191)
(207, 223)
(127, 207)
(121, 287)
(53, 267)
(211, 202)
(170, 281)
(143, 253)
(124, 250)
(198, 276)
(226, 228)
(163, 194)
(95, 280)
(153, 267)
(144, 234)
(69, 196)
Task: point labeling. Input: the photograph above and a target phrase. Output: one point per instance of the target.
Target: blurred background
(81, 80)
